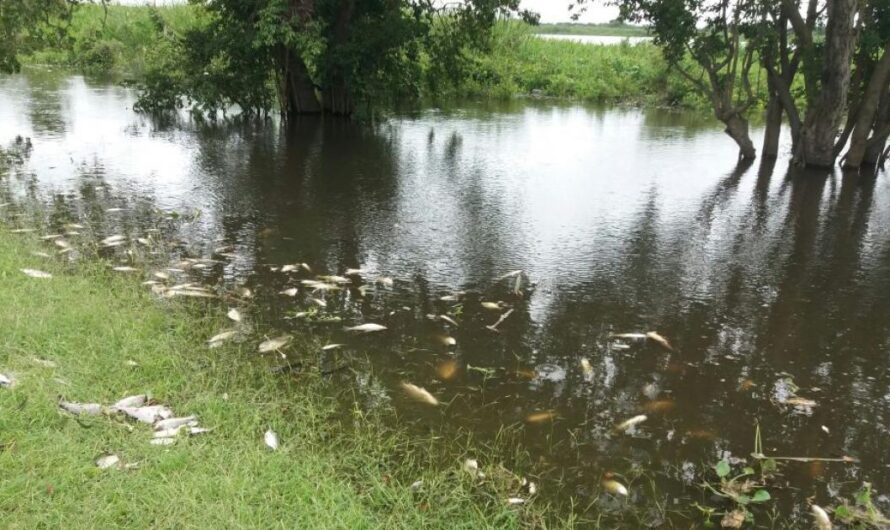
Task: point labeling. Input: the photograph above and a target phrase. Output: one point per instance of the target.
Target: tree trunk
(737, 129)
(296, 93)
(824, 116)
(337, 98)
(868, 108)
(337, 95)
(773, 125)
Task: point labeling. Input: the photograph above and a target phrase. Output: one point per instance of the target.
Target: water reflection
(622, 221)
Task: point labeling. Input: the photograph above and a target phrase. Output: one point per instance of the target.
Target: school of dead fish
(168, 428)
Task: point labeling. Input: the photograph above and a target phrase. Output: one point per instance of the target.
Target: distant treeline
(611, 29)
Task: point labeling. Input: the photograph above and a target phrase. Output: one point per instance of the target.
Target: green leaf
(743, 499)
(722, 468)
(760, 496)
(842, 512)
(748, 471)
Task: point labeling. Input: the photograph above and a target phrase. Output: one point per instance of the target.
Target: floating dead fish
(244, 292)
(188, 293)
(658, 339)
(23, 231)
(62, 244)
(614, 487)
(113, 241)
(114, 210)
(125, 269)
(289, 292)
(659, 406)
(173, 423)
(513, 501)
(354, 272)
(585, 366)
(74, 226)
(335, 279)
(130, 402)
(34, 273)
(234, 315)
(221, 337)
(820, 517)
(447, 370)
(491, 306)
(328, 347)
(274, 344)
(162, 441)
(448, 319)
(633, 422)
(419, 394)
(447, 341)
(494, 327)
(162, 275)
(319, 302)
(271, 440)
(366, 328)
(288, 268)
(149, 414)
(6, 381)
(41, 255)
(50, 237)
(540, 417)
(508, 275)
(450, 298)
(384, 281)
(629, 336)
(81, 409)
(107, 461)
(143, 241)
(619, 346)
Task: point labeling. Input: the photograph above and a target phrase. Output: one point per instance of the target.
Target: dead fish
(234, 314)
(271, 440)
(274, 344)
(508, 275)
(194, 431)
(130, 402)
(143, 241)
(244, 292)
(23, 231)
(289, 292)
(513, 501)
(384, 281)
(44, 362)
(125, 269)
(658, 339)
(366, 328)
(221, 337)
(188, 293)
(173, 423)
(335, 279)
(34, 273)
(491, 306)
(585, 366)
(450, 298)
(62, 244)
(50, 237)
(161, 276)
(619, 346)
(41, 255)
(288, 268)
(162, 441)
(114, 210)
(354, 272)
(625, 425)
(471, 466)
(419, 394)
(820, 517)
(168, 433)
(446, 318)
(81, 409)
(113, 241)
(149, 414)
(319, 302)
(659, 406)
(614, 487)
(5, 381)
(74, 226)
(445, 340)
(104, 462)
(447, 370)
(494, 327)
(629, 336)
(328, 347)
(540, 417)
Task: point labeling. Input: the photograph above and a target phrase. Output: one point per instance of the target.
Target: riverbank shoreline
(88, 334)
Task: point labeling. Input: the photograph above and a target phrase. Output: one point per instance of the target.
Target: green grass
(333, 470)
(604, 30)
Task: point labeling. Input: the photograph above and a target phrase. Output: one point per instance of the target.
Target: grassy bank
(88, 335)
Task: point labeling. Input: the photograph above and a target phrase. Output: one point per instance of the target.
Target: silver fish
(149, 414)
(33, 273)
(366, 328)
(173, 423)
(81, 409)
(625, 425)
(131, 401)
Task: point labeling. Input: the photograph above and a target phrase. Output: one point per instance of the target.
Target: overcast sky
(557, 11)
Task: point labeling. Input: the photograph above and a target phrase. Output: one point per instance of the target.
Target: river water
(622, 221)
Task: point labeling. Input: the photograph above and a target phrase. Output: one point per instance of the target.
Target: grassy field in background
(89, 335)
(603, 30)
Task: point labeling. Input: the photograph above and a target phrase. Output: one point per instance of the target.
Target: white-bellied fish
(633, 422)
(419, 394)
(369, 327)
(274, 344)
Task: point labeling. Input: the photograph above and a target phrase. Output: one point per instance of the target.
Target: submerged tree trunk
(868, 108)
(337, 94)
(296, 93)
(737, 129)
(773, 125)
(817, 138)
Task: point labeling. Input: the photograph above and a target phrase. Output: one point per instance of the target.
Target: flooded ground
(771, 285)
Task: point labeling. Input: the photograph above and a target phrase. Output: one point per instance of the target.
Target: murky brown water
(622, 221)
